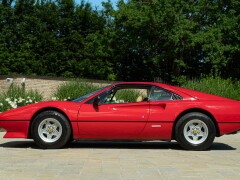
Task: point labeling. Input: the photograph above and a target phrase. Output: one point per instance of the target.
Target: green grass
(73, 90)
(217, 86)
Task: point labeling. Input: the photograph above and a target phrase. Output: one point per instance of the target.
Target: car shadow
(140, 145)
(19, 144)
(161, 145)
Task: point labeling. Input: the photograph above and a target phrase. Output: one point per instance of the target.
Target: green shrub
(217, 86)
(17, 96)
(73, 90)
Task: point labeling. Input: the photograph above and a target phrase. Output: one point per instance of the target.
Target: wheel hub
(50, 130)
(195, 132)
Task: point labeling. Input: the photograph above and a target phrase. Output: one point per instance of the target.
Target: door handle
(163, 105)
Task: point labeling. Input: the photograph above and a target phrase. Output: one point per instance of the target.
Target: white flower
(7, 99)
(13, 104)
(20, 100)
(30, 101)
(54, 98)
(1, 104)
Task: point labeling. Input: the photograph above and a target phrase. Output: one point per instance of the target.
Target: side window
(127, 95)
(124, 94)
(159, 94)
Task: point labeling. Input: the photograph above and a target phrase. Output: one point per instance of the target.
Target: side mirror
(96, 102)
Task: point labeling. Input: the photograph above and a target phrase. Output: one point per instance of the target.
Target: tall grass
(217, 86)
(73, 90)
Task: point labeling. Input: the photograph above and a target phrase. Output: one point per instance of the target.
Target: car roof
(164, 86)
(138, 82)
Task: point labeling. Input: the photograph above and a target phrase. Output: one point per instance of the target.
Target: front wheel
(195, 131)
(51, 130)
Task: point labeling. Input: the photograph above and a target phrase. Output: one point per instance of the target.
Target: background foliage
(149, 40)
(74, 89)
(215, 85)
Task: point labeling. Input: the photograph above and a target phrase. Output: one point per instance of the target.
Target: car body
(160, 112)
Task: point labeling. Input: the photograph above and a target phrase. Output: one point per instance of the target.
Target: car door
(162, 113)
(115, 120)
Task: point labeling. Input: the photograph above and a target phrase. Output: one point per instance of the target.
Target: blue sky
(97, 3)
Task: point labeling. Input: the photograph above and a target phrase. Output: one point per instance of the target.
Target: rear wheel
(195, 131)
(51, 130)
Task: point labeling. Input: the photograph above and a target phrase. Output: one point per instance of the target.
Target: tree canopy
(139, 40)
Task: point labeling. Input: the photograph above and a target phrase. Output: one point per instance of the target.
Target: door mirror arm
(96, 102)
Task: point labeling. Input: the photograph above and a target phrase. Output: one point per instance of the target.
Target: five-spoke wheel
(195, 131)
(51, 129)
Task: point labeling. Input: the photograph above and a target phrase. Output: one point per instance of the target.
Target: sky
(97, 3)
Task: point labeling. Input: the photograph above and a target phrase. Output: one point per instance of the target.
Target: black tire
(195, 131)
(51, 130)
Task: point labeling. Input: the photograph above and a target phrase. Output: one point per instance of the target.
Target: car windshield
(80, 99)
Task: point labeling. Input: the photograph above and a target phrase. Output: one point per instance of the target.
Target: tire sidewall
(66, 130)
(180, 131)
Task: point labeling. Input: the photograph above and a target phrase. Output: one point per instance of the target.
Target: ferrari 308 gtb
(127, 111)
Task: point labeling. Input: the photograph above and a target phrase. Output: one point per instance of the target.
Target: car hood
(27, 112)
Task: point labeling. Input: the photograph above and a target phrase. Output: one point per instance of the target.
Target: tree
(175, 40)
(145, 40)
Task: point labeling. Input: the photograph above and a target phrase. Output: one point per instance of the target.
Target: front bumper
(15, 129)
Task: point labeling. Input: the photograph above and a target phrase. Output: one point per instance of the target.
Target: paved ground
(20, 159)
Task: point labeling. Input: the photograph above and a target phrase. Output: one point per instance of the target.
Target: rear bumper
(229, 128)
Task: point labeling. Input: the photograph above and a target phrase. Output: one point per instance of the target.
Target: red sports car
(127, 111)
